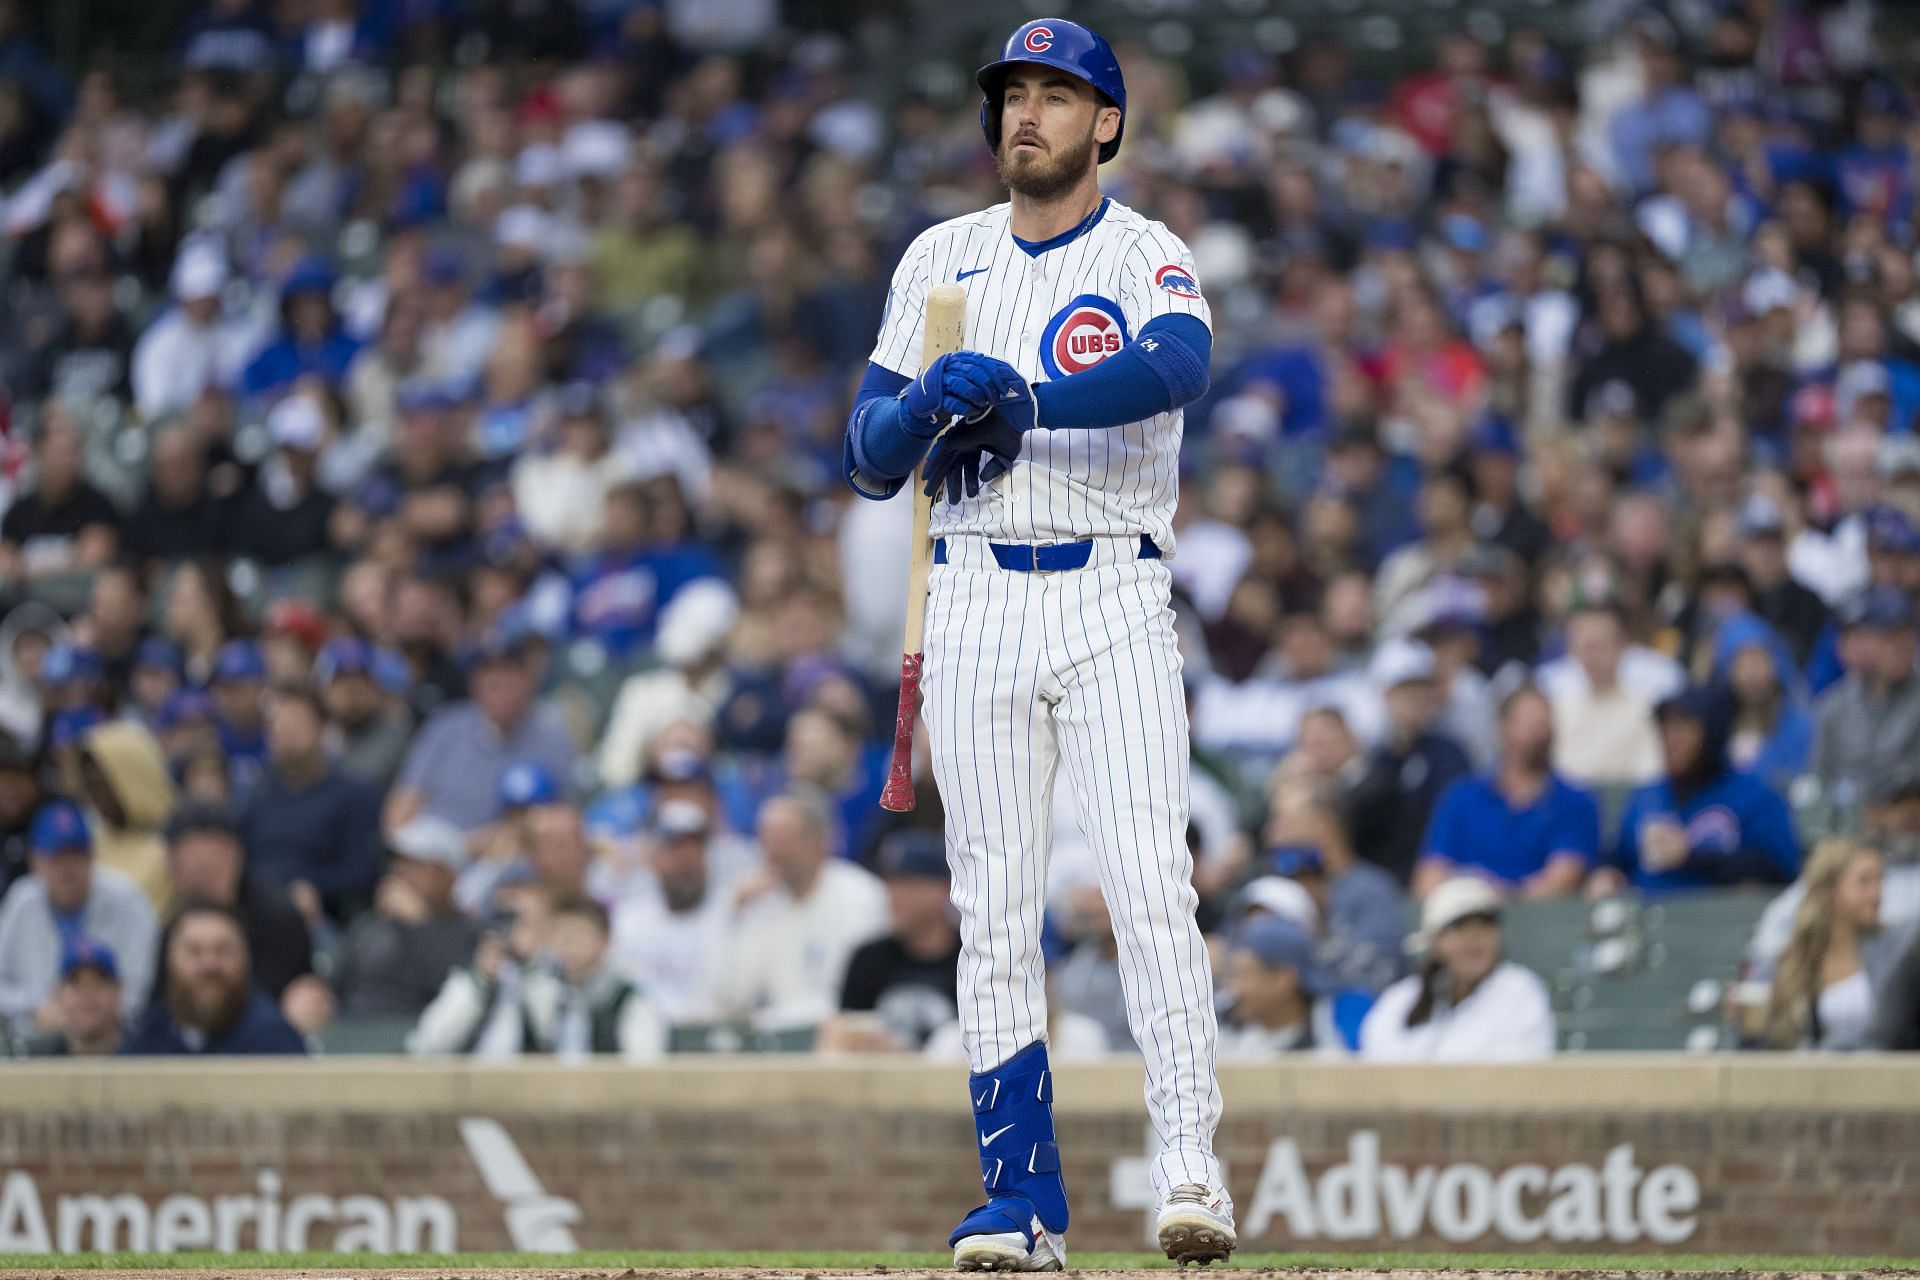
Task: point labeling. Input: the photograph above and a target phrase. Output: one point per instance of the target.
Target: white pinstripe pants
(1026, 672)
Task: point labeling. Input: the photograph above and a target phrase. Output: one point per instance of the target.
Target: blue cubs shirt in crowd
(617, 599)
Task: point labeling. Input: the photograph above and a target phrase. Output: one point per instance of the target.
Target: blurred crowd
(432, 606)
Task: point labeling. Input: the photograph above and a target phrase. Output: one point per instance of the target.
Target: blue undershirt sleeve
(1162, 369)
(879, 453)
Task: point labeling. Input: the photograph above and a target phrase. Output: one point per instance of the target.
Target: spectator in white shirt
(191, 348)
(1603, 722)
(788, 955)
(1464, 1003)
(670, 928)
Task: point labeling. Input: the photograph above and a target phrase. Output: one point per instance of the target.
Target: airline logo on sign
(267, 1220)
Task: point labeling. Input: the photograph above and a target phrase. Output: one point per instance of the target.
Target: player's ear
(1106, 124)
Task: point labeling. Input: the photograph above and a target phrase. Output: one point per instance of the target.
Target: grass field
(1666, 1264)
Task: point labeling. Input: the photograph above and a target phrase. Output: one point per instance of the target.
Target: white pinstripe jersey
(1053, 310)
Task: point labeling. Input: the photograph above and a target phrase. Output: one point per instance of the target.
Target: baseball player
(1049, 640)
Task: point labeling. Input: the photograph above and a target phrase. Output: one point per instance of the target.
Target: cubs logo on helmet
(1081, 335)
(1176, 280)
(1039, 39)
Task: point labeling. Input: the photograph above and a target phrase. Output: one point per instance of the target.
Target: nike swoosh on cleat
(976, 271)
(986, 1139)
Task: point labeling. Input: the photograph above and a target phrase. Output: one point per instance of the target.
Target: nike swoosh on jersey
(976, 271)
(986, 1139)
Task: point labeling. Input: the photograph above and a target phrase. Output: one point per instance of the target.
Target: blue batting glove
(938, 395)
(1009, 394)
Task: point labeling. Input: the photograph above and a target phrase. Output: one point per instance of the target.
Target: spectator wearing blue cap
(210, 1004)
(456, 762)
(310, 343)
(308, 827)
(155, 677)
(426, 485)
(1500, 513)
(899, 987)
(72, 678)
(1868, 725)
(526, 786)
(67, 900)
(239, 688)
(88, 1001)
(1703, 822)
(1275, 994)
(364, 709)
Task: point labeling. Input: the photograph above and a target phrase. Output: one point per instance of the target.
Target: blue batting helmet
(1068, 46)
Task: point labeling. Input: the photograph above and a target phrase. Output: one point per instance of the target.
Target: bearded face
(1031, 167)
(207, 972)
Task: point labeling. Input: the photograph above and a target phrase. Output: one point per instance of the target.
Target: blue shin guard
(1019, 1160)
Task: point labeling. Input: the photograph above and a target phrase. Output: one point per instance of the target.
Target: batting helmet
(1068, 46)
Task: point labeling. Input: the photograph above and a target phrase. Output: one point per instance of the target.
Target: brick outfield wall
(850, 1176)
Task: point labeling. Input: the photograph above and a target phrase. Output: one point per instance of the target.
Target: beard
(1043, 176)
(209, 1007)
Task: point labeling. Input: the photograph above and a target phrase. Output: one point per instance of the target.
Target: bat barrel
(897, 796)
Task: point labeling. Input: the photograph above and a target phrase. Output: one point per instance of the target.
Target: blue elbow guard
(1162, 369)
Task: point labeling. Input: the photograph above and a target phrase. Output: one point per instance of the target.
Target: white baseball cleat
(1009, 1251)
(1196, 1225)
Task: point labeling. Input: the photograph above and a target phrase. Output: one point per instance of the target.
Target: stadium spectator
(1603, 722)
(372, 726)
(1772, 731)
(899, 988)
(207, 863)
(67, 901)
(1838, 957)
(1409, 768)
(454, 767)
(1464, 1003)
(89, 1003)
(586, 1006)
(21, 792)
(396, 957)
(1896, 1013)
(478, 1009)
(63, 524)
(1360, 911)
(690, 684)
(209, 1004)
(1086, 981)
(1867, 727)
(1522, 827)
(1704, 822)
(671, 924)
(27, 633)
(800, 923)
(1274, 988)
(308, 827)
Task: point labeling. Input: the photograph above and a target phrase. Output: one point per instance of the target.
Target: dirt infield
(775, 1273)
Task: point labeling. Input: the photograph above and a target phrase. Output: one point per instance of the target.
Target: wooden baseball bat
(945, 331)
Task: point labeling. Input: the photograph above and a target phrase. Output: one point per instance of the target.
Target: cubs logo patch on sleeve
(1081, 335)
(1177, 280)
